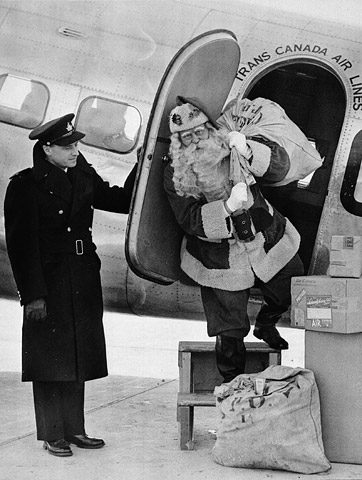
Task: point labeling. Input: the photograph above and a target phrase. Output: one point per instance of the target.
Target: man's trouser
(227, 317)
(59, 409)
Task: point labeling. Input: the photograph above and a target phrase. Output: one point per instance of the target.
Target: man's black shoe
(271, 336)
(83, 441)
(59, 448)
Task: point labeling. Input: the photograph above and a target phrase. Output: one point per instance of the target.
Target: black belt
(77, 247)
(242, 225)
(248, 239)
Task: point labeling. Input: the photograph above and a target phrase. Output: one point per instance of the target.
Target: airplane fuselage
(312, 68)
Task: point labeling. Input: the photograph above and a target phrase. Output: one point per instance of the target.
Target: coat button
(69, 229)
(245, 231)
(90, 229)
(60, 212)
(243, 222)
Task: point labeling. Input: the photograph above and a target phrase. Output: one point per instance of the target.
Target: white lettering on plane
(344, 63)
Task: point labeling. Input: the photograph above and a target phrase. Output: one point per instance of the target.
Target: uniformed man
(234, 239)
(48, 224)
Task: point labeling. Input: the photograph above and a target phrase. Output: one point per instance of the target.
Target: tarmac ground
(133, 409)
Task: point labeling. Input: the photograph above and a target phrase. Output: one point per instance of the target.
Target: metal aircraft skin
(81, 54)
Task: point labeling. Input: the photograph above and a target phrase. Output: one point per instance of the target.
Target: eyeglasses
(201, 132)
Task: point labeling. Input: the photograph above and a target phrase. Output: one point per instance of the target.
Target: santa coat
(211, 253)
(48, 224)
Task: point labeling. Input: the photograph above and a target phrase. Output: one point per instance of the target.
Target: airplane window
(23, 102)
(108, 124)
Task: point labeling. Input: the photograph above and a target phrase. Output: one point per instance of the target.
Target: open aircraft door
(205, 68)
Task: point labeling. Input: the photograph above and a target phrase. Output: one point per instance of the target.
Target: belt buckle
(79, 247)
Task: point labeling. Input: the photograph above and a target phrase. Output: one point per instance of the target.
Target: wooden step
(198, 376)
(201, 347)
(205, 399)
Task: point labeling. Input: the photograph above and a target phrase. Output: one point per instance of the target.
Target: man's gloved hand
(238, 196)
(36, 310)
(238, 140)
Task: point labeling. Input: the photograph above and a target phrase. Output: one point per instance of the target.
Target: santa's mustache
(206, 151)
(209, 144)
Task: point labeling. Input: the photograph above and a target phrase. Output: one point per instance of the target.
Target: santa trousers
(226, 311)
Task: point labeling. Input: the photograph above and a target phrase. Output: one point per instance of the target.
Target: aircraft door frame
(321, 188)
(205, 68)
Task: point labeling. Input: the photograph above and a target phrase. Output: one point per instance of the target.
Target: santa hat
(187, 114)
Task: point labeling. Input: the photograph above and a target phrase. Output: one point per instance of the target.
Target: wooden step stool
(198, 376)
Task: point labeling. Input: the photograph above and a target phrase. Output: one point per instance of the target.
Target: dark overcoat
(48, 225)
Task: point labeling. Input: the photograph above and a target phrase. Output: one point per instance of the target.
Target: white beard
(204, 169)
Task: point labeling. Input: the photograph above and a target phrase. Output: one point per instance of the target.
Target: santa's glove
(36, 310)
(238, 140)
(238, 196)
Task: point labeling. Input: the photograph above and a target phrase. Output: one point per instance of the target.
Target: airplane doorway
(315, 100)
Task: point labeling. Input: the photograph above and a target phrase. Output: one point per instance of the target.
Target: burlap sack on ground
(277, 429)
(262, 117)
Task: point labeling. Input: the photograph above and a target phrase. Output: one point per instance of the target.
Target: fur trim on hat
(185, 117)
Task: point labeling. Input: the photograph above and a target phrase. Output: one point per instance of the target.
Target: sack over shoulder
(277, 429)
(262, 117)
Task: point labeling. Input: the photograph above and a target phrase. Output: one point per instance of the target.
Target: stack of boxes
(332, 303)
(329, 308)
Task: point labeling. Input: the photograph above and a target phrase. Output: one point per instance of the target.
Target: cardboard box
(345, 256)
(326, 304)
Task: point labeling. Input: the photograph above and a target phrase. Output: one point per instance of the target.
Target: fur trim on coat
(244, 259)
(213, 256)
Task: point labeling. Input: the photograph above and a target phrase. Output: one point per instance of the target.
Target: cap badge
(69, 127)
(176, 119)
